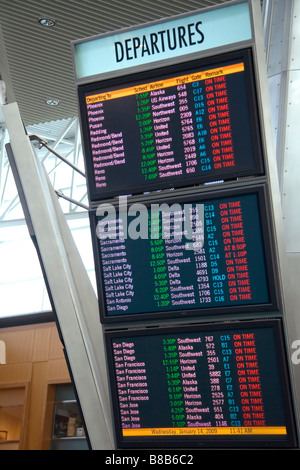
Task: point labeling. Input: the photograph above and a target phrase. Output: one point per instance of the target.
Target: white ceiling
(36, 62)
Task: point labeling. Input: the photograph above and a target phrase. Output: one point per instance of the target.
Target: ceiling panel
(36, 62)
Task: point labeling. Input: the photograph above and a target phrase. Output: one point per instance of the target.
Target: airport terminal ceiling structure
(56, 66)
(36, 67)
(35, 60)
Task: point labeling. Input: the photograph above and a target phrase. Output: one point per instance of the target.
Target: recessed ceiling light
(52, 102)
(46, 22)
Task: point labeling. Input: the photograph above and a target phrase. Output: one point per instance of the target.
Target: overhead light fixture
(48, 22)
(52, 102)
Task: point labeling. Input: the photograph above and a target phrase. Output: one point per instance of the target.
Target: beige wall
(34, 364)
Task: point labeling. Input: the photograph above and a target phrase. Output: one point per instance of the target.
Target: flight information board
(201, 385)
(230, 268)
(186, 124)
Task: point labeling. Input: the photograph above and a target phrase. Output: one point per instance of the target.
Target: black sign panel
(177, 126)
(201, 386)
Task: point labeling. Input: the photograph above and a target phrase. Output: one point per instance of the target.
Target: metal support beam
(73, 297)
(282, 40)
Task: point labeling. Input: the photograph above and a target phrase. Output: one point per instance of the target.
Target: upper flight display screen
(176, 126)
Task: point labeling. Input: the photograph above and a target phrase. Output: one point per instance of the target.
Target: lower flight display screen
(207, 385)
(147, 269)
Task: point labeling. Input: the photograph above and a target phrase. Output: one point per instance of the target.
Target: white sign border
(235, 18)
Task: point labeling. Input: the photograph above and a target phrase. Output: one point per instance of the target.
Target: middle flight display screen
(197, 255)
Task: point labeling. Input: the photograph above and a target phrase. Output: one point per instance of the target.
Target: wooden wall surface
(34, 363)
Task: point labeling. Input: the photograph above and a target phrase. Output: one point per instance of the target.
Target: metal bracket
(44, 143)
(59, 194)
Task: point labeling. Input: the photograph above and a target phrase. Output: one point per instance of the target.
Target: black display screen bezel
(97, 194)
(271, 267)
(211, 441)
